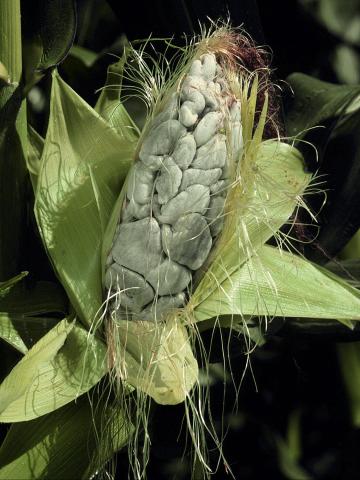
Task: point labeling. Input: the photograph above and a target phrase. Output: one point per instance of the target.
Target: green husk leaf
(62, 444)
(9, 333)
(157, 359)
(35, 146)
(279, 182)
(30, 329)
(109, 105)
(23, 374)
(274, 283)
(53, 373)
(84, 164)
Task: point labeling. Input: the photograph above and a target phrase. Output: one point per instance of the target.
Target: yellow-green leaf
(83, 166)
(9, 333)
(109, 105)
(157, 359)
(276, 283)
(35, 145)
(62, 365)
(279, 181)
(8, 284)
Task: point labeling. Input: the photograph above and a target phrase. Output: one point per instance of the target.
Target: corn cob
(175, 194)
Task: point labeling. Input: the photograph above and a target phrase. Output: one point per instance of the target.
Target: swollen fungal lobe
(175, 195)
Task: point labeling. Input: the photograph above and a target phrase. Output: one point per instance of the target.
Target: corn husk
(279, 284)
(61, 366)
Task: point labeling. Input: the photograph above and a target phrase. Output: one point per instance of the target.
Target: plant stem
(10, 38)
(13, 134)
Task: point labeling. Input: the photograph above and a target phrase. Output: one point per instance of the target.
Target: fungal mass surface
(175, 195)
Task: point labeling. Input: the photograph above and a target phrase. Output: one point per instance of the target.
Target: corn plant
(154, 236)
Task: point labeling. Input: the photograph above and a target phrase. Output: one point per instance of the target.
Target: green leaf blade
(62, 444)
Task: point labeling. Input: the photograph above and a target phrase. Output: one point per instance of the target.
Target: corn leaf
(84, 163)
(279, 181)
(316, 102)
(23, 374)
(339, 219)
(338, 17)
(86, 56)
(61, 444)
(37, 299)
(351, 254)
(291, 469)
(289, 450)
(52, 373)
(8, 284)
(48, 31)
(21, 306)
(349, 357)
(22, 332)
(276, 283)
(25, 312)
